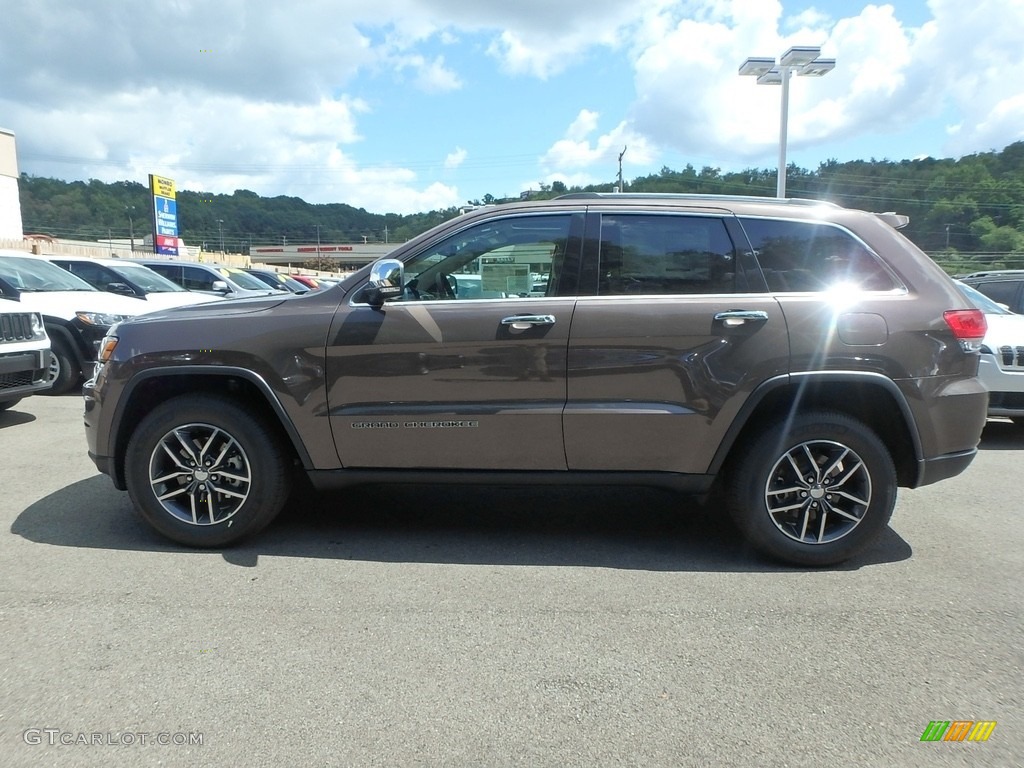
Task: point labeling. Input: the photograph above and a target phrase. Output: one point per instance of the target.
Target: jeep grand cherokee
(804, 358)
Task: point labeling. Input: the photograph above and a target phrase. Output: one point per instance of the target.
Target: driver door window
(512, 258)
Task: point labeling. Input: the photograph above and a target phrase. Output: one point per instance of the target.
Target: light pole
(318, 245)
(220, 229)
(799, 60)
(130, 209)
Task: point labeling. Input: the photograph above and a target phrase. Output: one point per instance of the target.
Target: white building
(10, 202)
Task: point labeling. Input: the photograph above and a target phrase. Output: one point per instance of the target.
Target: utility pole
(623, 152)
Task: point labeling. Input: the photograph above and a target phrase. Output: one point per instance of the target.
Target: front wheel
(204, 472)
(814, 491)
(63, 371)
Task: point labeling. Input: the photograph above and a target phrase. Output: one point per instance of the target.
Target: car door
(461, 378)
(664, 354)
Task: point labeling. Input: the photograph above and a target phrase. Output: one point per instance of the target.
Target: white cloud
(576, 151)
(456, 158)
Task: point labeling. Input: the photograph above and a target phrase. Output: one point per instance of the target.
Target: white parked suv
(75, 315)
(24, 350)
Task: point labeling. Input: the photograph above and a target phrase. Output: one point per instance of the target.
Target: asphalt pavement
(446, 626)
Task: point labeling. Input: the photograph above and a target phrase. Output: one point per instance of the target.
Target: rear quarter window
(798, 256)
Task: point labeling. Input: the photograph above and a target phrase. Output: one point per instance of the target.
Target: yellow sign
(161, 187)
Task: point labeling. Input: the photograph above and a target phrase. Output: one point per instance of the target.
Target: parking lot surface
(501, 626)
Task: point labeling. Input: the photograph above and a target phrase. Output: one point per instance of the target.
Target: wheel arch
(62, 329)
(871, 398)
(157, 385)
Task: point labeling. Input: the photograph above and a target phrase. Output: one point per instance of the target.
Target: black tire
(63, 372)
(812, 523)
(248, 468)
(5, 404)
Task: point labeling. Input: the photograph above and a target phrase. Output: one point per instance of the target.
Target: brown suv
(804, 357)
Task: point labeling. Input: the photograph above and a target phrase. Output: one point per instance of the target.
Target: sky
(405, 106)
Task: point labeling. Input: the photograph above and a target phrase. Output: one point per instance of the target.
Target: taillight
(968, 326)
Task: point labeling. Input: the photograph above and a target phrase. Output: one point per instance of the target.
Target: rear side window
(666, 254)
(808, 256)
(171, 271)
(196, 279)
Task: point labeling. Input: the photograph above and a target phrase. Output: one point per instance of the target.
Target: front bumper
(1005, 386)
(23, 373)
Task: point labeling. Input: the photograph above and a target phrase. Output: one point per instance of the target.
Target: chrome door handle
(734, 318)
(523, 322)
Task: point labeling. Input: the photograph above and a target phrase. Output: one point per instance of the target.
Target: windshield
(981, 301)
(243, 279)
(147, 279)
(34, 275)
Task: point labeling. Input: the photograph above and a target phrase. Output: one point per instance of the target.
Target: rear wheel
(815, 491)
(204, 472)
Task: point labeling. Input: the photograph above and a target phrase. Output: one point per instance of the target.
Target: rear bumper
(942, 467)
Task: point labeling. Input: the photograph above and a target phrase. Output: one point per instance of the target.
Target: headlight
(100, 318)
(36, 326)
(107, 347)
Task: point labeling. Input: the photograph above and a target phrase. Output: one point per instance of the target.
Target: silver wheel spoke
(228, 492)
(781, 491)
(171, 476)
(172, 494)
(845, 514)
(188, 448)
(173, 456)
(807, 519)
(777, 510)
(851, 497)
(813, 463)
(836, 463)
(793, 464)
(842, 481)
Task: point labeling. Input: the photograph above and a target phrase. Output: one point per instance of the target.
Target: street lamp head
(799, 56)
(757, 66)
(817, 68)
(771, 77)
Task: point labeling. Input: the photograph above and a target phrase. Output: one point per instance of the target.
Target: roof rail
(798, 201)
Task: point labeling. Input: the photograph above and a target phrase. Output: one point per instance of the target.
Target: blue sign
(166, 210)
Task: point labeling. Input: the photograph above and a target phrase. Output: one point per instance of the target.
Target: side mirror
(220, 286)
(387, 277)
(8, 291)
(121, 288)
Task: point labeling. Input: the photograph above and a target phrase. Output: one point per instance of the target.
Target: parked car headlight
(100, 318)
(36, 326)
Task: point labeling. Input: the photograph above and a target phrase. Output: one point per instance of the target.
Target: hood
(216, 308)
(167, 299)
(1004, 330)
(64, 304)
